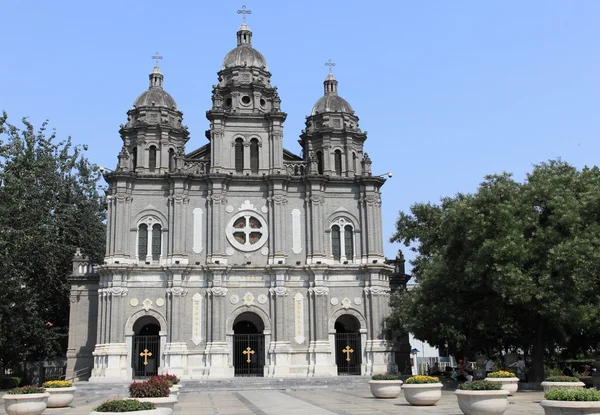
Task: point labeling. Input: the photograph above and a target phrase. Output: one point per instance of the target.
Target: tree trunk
(536, 374)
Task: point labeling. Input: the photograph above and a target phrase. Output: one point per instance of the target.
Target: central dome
(331, 101)
(155, 96)
(245, 55)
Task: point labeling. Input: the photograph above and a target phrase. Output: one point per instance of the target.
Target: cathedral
(239, 258)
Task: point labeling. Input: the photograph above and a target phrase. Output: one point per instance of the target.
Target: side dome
(244, 54)
(156, 96)
(331, 101)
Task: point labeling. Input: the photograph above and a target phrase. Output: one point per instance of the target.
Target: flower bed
(482, 398)
(61, 393)
(500, 374)
(552, 382)
(153, 388)
(124, 405)
(27, 400)
(571, 401)
(506, 379)
(422, 390)
(420, 379)
(386, 386)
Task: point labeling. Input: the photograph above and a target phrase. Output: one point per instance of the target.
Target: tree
(49, 206)
(513, 266)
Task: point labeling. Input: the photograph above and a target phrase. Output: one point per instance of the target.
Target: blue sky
(449, 91)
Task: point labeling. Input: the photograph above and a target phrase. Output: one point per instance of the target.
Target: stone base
(110, 363)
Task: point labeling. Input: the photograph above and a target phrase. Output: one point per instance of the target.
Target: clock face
(247, 231)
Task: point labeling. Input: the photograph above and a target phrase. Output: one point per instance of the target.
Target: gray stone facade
(239, 230)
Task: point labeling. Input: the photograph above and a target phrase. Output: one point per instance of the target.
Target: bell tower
(246, 121)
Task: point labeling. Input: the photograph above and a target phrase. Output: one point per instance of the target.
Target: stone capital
(279, 291)
(217, 291)
(319, 291)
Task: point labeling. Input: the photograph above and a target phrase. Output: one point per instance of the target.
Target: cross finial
(157, 57)
(330, 63)
(243, 11)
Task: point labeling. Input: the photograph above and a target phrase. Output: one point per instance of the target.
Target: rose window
(247, 231)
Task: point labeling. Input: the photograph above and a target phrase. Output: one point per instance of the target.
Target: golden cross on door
(145, 354)
(248, 352)
(348, 350)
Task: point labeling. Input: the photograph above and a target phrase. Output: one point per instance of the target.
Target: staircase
(235, 384)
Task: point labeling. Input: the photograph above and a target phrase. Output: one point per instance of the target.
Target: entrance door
(146, 351)
(248, 348)
(347, 346)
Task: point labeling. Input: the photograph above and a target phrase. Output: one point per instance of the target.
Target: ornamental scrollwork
(279, 291)
(217, 291)
(319, 290)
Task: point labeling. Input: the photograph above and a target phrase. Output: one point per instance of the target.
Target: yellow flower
(57, 384)
(422, 379)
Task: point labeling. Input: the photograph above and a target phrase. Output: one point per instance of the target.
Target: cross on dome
(243, 11)
(157, 57)
(330, 63)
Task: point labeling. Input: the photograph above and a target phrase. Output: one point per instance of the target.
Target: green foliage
(49, 206)
(152, 388)
(480, 385)
(124, 405)
(561, 379)
(386, 376)
(512, 266)
(9, 382)
(572, 394)
(26, 390)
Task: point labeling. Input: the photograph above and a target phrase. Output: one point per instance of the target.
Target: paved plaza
(306, 402)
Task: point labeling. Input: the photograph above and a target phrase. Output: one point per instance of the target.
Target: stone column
(281, 346)
(378, 349)
(175, 351)
(217, 349)
(317, 200)
(322, 355)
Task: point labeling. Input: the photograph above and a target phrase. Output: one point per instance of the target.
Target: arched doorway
(347, 345)
(248, 345)
(146, 347)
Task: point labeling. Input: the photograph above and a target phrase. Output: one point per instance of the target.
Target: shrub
(561, 379)
(500, 374)
(572, 394)
(124, 405)
(480, 385)
(153, 388)
(171, 379)
(422, 379)
(9, 382)
(387, 376)
(57, 384)
(24, 390)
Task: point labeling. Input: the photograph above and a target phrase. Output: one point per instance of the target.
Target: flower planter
(174, 391)
(165, 406)
(148, 412)
(385, 389)
(422, 394)
(570, 407)
(482, 402)
(60, 397)
(25, 404)
(508, 384)
(549, 385)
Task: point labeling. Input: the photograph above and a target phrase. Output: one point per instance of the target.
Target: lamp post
(388, 174)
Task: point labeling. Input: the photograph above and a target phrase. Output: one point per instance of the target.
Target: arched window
(335, 242)
(156, 241)
(134, 158)
(171, 159)
(319, 162)
(354, 163)
(342, 240)
(142, 241)
(149, 239)
(152, 158)
(239, 155)
(254, 156)
(338, 162)
(349, 242)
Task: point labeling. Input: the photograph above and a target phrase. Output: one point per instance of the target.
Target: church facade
(239, 258)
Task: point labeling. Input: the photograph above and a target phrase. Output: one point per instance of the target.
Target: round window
(247, 231)
(263, 103)
(245, 100)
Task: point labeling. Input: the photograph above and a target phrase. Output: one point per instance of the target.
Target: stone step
(237, 384)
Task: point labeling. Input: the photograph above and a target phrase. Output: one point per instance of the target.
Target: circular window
(263, 103)
(247, 231)
(228, 102)
(245, 100)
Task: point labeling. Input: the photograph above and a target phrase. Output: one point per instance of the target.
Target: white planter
(570, 407)
(60, 397)
(26, 404)
(174, 391)
(148, 412)
(422, 394)
(386, 389)
(482, 402)
(165, 405)
(549, 385)
(508, 384)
